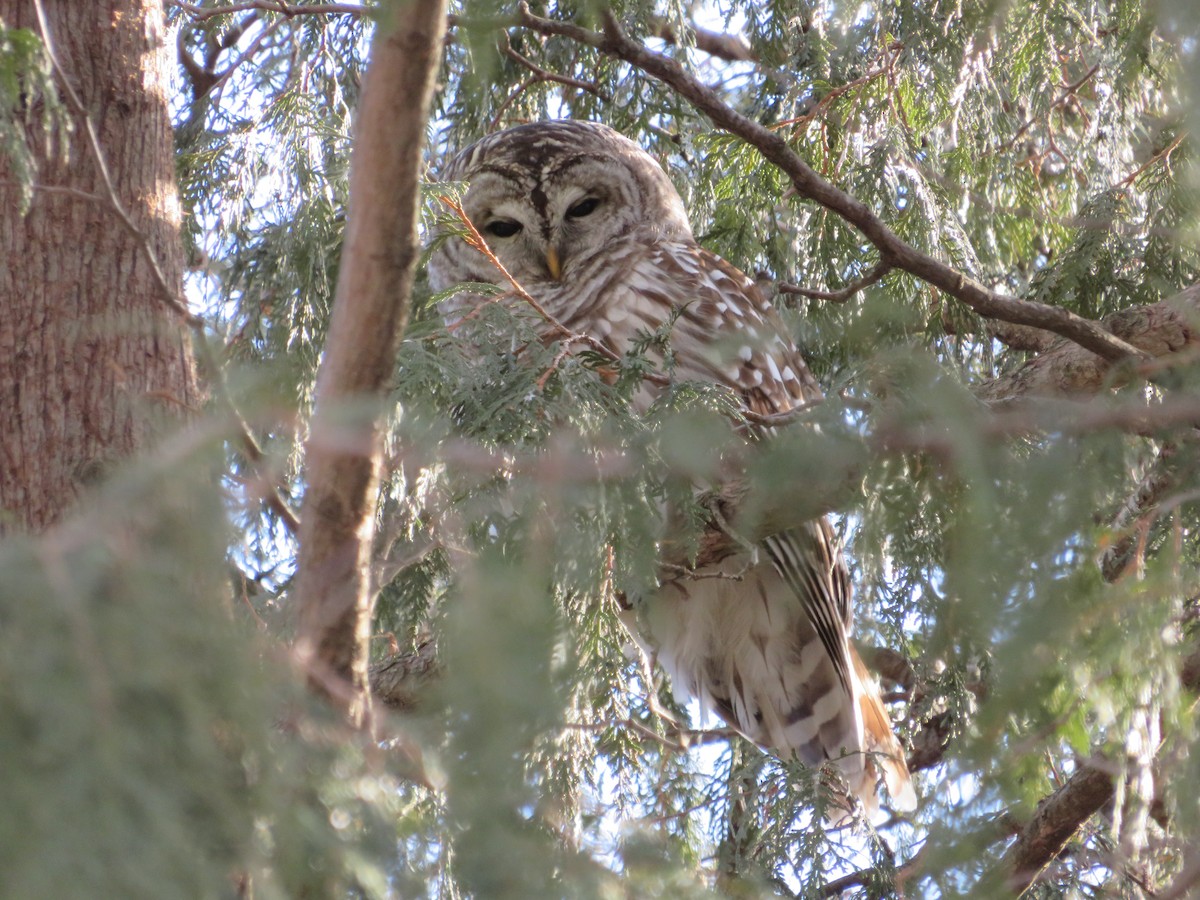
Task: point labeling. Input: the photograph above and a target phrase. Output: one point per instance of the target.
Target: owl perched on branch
(589, 225)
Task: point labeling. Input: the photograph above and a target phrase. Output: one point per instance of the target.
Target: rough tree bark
(90, 354)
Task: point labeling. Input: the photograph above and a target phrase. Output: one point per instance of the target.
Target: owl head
(552, 197)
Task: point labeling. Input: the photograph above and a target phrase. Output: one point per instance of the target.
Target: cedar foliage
(155, 742)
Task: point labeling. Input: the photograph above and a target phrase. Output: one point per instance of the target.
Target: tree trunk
(91, 355)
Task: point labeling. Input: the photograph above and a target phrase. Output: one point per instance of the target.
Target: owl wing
(740, 339)
(727, 332)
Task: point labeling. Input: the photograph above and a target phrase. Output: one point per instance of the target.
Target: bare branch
(1161, 156)
(558, 329)
(334, 585)
(541, 74)
(807, 183)
(1159, 480)
(1020, 337)
(1068, 92)
(1016, 337)
(904, 874)
(838, 296)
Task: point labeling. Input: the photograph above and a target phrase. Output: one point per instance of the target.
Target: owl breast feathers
(590, 225)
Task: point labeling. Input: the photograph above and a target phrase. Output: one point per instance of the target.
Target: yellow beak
(553, 264)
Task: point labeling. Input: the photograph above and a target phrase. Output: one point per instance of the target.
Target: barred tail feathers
(879, 740)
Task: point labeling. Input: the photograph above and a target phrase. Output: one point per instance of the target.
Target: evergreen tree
(350, 624)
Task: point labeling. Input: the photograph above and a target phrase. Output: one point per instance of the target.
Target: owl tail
(886, 755)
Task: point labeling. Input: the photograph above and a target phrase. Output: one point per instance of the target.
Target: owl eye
(583, 208)
(503, 227)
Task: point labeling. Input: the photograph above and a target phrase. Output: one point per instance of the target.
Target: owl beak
(553, 263)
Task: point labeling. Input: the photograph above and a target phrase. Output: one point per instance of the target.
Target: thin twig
(825, 102)
(729, 47)
(201, 14)
(842, 295)
(1162, 155)
(779, 419)
(541, 74)
(1068, 91)
(255, 45)
(476, 240)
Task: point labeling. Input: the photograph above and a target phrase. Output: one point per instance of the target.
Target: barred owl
(591, 226)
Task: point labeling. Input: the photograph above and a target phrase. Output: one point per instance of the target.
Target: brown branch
(1017, 337)
(561, 331)
(1162, 155)
(841, 295)
(1067, 93)
(204, 77)
(730, 47)
(808, 184)
(1062, 814)
(382, 247)
(1056, 820)
(541, 74)
(290, 10)
(904, 874)
(830, 98)
(895, 435)
(1161, 478)
(1020, 337)
(1157, 330)
(476, 240)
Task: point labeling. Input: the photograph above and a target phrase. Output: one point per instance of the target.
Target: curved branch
(892, 249)
(842, 294)
(290, 10)
(729, 47)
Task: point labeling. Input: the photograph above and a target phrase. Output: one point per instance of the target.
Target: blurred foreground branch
(382, 246)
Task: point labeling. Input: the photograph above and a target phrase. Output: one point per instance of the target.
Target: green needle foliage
(154, 740)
